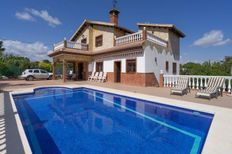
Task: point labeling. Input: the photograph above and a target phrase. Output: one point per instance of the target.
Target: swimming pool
(82, 120)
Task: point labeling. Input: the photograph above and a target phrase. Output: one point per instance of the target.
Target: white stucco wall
(161, 55)
(108, 63)
(152, 60)
(91, 67)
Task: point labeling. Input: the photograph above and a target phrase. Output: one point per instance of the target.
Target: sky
(31, 27)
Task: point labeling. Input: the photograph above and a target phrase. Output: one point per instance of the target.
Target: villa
(132, 58)
(141, 114)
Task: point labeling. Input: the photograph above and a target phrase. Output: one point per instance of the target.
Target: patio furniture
(95, 77)
(74, 76)
(181, 87)
(91, 76)
(99, 76)
(103, 78)
(214, 88)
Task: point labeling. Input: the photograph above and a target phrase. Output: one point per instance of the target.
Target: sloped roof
(169, 26)
(91, 22)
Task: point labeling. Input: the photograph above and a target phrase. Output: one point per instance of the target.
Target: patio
(11, 138)
(225, 101)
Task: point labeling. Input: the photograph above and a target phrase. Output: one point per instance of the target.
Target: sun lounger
(103, 78)
(99, 76)
(95, 76)
(91, 76)
(74, 76)
(181, 87)
(213, 89)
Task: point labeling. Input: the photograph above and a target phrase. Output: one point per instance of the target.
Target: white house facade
(133, 58)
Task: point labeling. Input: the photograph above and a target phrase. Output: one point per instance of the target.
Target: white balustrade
(139, 36)
(129, 38)
(197, 81)
(73, 45)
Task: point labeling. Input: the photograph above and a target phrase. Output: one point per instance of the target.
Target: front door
(80, 75)
(117, 71)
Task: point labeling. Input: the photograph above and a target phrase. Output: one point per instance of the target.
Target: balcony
(139, 36)
(69, 44)
(135, 37)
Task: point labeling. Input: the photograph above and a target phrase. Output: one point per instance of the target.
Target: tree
(221, 68)
(1, 49)
(46, 66)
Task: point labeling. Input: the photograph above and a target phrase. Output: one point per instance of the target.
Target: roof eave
(171, 26)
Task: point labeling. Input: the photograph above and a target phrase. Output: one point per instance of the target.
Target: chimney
(114, 16)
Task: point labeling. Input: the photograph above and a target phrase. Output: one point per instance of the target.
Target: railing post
(201, 84)
(197, 83)
(205, 83)
(144, 33)
(190, 84)
(167, 81)
(193, 84)
(170, 81)
(65, 43)
(229, 86)
(161, 84)
(224, 86)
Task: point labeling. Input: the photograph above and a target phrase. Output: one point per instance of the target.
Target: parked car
(32, 74)
(3, 77)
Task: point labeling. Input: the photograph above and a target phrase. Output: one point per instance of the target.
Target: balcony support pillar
(64, 71)
(54, 71)
(144, 33)
(65, 43)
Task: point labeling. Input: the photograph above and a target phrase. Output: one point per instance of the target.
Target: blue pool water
(62, 120)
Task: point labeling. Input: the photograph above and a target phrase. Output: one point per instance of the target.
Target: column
(86, 71)
(64, 71)
(75, 68)
(53, 70)
(144, 33)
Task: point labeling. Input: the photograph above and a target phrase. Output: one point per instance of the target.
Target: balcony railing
(129, 38)
(197, 81)
(69, 44)
(141, 35)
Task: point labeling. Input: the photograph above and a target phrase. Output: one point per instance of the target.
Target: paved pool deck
(219, 139)
(225, 101)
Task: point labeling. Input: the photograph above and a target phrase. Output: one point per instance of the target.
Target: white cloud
(43, 14)
(30, 15)
(24, 16)
(212, 38)
(34, 51)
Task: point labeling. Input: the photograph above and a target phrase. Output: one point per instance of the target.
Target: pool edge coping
(209, 147)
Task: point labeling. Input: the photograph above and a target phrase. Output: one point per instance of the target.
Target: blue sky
(30, 27)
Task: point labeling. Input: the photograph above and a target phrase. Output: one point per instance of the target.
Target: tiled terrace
(225, 101)
(9, 136)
